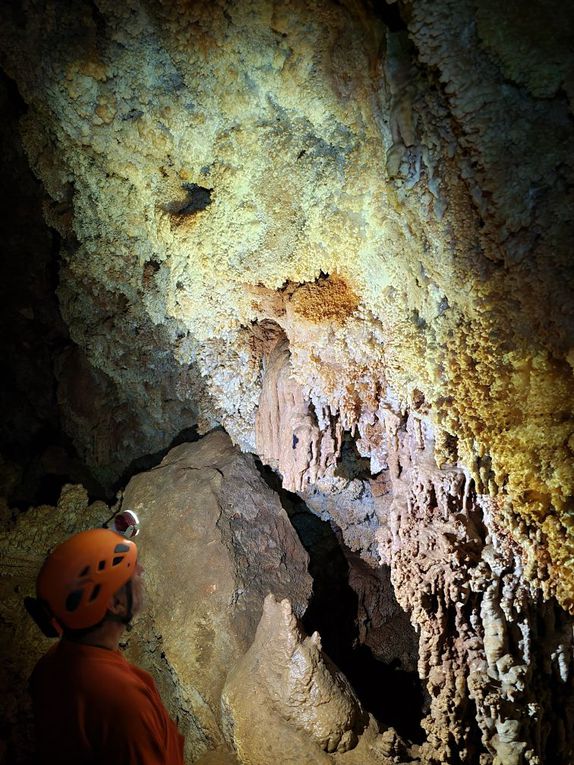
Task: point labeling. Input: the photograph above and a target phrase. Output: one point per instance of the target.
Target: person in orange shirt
(90, 704)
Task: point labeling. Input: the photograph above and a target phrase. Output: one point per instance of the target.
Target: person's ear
(116, 604)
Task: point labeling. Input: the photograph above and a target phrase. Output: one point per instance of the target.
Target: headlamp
(127, 524)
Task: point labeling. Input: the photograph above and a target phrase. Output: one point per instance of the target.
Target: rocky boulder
(215, 541)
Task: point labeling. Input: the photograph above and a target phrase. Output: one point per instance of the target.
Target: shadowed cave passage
(37, 455)
(394, 696)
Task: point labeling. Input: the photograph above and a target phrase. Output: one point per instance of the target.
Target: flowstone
(285, 702)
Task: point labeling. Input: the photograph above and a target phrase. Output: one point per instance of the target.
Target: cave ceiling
(382, 191)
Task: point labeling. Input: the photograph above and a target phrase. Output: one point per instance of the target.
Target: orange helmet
(80, 576)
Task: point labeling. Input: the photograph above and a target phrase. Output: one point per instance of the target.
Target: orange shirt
(92, 706)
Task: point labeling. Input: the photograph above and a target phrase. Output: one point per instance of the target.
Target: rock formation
(286, 702)
(219, 542)
(342, 231)
(490, 649)
(266, 697)
(215, 541)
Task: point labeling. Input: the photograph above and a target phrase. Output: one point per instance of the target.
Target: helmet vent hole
(95, 593)
(117, 559)
(85, 571)
(121, 548)
(73, 600)
(101, 565)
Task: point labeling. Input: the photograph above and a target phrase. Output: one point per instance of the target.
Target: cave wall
(342, 231)
(33, 332)
(395, 197)
(218, 548)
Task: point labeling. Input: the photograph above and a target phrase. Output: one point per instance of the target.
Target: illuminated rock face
(234, 665)
(316, 230)
(218, 541)
(266, 697)
(290, 162)
(482, 648)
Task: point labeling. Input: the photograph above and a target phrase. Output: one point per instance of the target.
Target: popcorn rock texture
(492, 653)
(395, 197)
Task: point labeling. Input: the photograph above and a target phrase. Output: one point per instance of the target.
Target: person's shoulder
(126, 696)
(111, 670)
(43, 666)
(117, 682)
(92, 669)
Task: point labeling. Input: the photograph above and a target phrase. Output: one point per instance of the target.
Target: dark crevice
(36, 456)
(351, 465)
(40, 475)
(393, 696)
(11, 98)
(197, 199)
(389, 14)
(99, 20)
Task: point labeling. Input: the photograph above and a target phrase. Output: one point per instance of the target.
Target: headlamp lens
(127, 524)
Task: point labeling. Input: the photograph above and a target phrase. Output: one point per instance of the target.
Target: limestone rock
(289, 435)
(285, 702)
(215, 540)
(460, 577)
(389, 190)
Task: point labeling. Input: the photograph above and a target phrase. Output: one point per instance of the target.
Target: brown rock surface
(496, 657)
(285, 702)
(489, 640)
(215, 542)
(289, 437)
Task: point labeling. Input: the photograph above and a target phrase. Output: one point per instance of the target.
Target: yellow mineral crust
(328, 299)
(406, 281)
